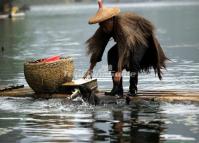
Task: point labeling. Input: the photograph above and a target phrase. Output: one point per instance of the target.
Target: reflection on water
(62, 30)
(140, 122)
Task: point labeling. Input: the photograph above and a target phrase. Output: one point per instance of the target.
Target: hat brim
(104, 14)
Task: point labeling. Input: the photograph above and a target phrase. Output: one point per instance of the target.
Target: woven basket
(48, 77)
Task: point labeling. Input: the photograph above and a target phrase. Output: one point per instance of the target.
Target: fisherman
(2, 49)
(136, 50)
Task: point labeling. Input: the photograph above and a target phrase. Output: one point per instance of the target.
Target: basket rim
(45, 63)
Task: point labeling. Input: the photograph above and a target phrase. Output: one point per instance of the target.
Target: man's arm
(95, 58)
(96, 46)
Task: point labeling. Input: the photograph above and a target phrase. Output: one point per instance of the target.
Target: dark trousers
(113, 58)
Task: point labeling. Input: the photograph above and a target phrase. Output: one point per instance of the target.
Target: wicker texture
(48, 77)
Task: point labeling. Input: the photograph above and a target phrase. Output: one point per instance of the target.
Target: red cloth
(51, 59)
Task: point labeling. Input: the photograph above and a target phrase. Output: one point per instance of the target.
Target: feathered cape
(130, 32)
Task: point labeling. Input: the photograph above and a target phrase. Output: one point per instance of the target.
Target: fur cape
(130, 32)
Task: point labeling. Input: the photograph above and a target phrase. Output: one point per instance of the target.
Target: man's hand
(117, 77)
(88, 73)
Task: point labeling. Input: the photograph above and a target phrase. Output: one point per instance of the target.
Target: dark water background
(62, 30)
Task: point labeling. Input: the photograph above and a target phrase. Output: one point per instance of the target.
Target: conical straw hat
(103, 13)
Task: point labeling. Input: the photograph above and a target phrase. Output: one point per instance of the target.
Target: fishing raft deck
(152, 95)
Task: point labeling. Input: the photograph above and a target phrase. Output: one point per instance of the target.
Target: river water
(62, 30)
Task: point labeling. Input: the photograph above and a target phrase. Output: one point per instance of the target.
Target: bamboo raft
(152, 95)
